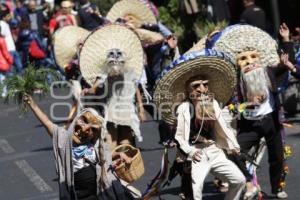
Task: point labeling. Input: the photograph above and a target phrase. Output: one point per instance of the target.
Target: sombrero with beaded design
(170, 87)
(237, 38)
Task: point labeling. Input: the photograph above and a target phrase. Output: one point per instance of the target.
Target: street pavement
(27, 170)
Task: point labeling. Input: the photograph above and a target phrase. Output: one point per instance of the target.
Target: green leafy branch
(33, 79)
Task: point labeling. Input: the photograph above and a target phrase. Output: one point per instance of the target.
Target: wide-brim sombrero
(235, 39)
(132, 7)
(113, 36)
(170, 88)
(65, 43)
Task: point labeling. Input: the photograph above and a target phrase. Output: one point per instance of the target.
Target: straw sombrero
(98, 43)
(237, 38)
(65, 42)
(133, 7)
(170, 88)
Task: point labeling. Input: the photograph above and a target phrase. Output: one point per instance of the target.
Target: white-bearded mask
(255, 81)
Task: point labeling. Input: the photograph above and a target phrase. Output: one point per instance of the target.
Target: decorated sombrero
(235, 39)
(132, 7)
(65, 43)
(215, 66)
(113, 36)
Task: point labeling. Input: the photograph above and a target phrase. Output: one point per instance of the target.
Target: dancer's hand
(258, 100)
(172, 42)
(125, 158)
(236, 151)
(27, 99)
(197, 156)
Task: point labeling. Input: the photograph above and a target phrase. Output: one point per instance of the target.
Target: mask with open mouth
(86, 128)
(115, 61)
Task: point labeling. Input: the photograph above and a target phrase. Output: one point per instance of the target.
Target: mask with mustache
(204, 108)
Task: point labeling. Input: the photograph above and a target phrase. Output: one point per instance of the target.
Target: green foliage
(32, 79)
(169, 15)
(104, 5)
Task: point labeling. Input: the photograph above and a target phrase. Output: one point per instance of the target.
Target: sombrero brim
(237, 38)
(65, 43)
(98, 43)
(170, 88)
(133, 7)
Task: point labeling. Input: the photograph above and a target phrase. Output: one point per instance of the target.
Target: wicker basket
(133, 171)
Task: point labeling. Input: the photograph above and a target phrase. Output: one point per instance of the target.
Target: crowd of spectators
(27, 27)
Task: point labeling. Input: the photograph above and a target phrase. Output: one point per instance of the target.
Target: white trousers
(213, 160)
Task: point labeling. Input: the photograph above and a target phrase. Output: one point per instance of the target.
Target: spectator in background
(26, 36)
(4, 7)
(35, 17)
(6, 60)
(63, 17)
(189, 12)
(253, 15)
(14, 28)
(89, 15)
(5, 17)
(20, 10)
(216, 10)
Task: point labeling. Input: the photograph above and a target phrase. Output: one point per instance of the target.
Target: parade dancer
(82, 159)
(255, 53)
(201, 131)
(111, 60)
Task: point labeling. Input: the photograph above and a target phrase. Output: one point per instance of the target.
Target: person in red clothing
(63, 17)
(6, 59)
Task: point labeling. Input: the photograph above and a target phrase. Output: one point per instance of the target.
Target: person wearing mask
(201, 132)
(82, 158)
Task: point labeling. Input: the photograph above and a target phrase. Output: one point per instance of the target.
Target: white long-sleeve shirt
(225, 138)
(5, 31)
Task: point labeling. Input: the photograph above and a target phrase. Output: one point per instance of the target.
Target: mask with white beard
(255, 83)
